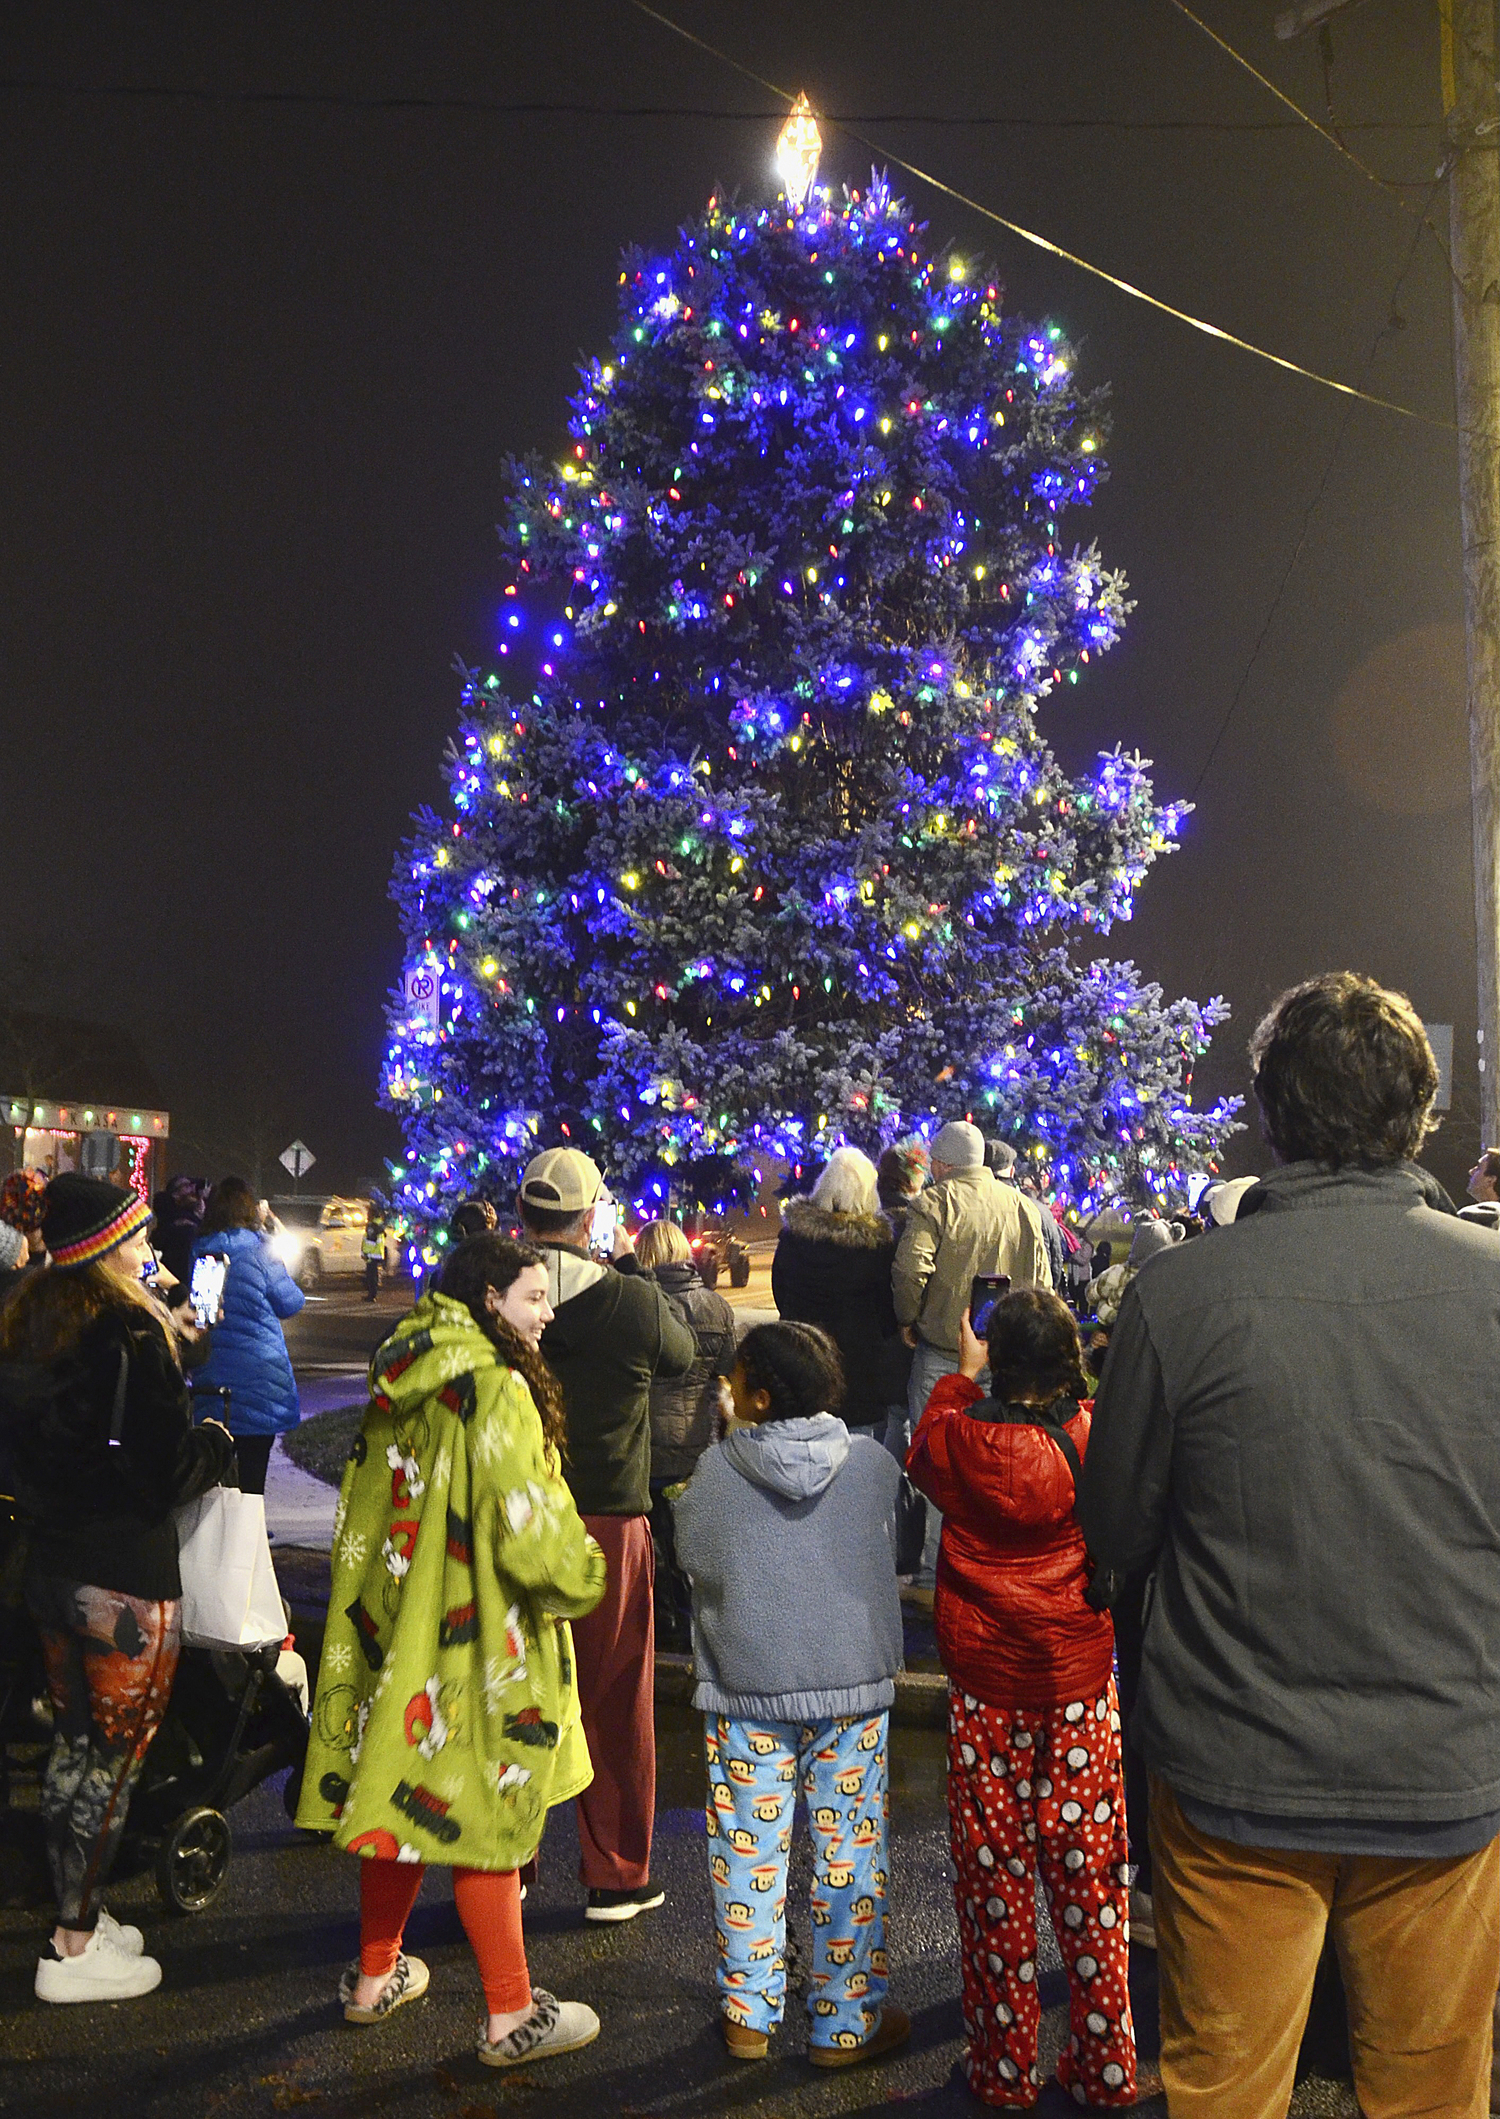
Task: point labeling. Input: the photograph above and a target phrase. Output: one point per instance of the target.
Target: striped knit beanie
(85, 1219)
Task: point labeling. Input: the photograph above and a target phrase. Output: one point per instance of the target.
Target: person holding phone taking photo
(962, 1224)
(107, 1455)
(1035, 1778)
(612, 1331)
(248, 1359)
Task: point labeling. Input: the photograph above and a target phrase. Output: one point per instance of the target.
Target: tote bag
(229, 1594)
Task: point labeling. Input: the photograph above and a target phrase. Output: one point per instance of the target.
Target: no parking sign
(420, 987)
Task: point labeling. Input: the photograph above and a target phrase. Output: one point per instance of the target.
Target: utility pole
(1471, 101)
(1471, 112)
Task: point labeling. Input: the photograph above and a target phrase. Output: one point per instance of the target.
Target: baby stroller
(231, 1723)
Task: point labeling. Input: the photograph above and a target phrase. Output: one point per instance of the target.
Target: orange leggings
(489, 1905)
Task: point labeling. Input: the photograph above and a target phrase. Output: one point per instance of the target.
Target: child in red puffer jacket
(1034, 1770)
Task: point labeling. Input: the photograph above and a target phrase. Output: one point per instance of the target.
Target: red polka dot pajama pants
(1031, 1787)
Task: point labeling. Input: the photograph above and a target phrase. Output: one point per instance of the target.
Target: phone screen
(602, 1231)
(206, 1289)
(985, 1291)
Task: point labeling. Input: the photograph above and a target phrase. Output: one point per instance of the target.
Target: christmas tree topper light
(798, 146)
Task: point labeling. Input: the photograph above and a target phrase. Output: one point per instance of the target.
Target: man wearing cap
(1000, 1160)
(612, 1331)
(962, 1224)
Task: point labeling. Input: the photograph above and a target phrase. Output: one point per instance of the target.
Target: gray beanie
(13, 1248)
(1149, 1238)
(959, 1145)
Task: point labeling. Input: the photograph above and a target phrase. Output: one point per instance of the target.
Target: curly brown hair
(1344, 1073)
(483, 1262)
(1035, 1352)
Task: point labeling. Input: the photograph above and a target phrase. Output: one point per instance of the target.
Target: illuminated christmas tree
(765, 849)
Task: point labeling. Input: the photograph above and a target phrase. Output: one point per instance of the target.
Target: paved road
(337, 1330)
(245, 2022)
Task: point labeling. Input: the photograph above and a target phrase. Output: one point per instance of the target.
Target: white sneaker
(99, 1973)
(116, 1935)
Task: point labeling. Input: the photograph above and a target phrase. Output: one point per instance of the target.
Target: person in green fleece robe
(446, 1721)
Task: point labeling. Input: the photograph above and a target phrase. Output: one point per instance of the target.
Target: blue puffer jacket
(249, 1353)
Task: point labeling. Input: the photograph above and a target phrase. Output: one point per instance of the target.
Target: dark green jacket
(613, 1331)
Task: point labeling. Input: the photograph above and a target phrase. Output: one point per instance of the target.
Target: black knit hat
(85, 1218)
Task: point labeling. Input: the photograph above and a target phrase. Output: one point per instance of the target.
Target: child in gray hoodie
(788, 1530)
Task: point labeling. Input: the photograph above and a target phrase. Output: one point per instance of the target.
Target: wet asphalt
(246, 2023)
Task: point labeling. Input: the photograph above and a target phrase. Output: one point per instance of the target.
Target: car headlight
(287, 1248)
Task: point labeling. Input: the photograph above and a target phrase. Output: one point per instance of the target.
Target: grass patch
(321, 1445)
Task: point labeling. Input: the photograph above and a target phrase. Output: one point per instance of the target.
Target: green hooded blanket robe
(446, 1719)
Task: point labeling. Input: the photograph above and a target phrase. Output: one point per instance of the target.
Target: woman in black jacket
(111, 1452)
(684, 1410)
(833, 1268)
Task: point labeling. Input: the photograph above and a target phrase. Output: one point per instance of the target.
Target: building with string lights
(78, 1096)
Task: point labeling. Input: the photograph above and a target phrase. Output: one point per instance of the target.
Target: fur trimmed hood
(861, 1232)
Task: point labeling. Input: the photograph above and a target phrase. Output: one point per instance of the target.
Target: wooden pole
(1471, 83)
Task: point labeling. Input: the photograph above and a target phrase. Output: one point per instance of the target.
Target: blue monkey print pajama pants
(755, 1769)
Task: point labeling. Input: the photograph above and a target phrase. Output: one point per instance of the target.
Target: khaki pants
(1238, 1932)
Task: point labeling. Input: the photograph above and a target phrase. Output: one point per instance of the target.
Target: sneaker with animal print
(552, 2027)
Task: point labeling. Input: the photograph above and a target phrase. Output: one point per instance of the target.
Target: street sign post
(299, 1159)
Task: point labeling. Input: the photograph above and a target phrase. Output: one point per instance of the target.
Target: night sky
(260, 362)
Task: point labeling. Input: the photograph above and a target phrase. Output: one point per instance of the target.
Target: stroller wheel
(194, 1860)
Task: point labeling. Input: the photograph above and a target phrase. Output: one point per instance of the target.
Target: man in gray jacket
(1299, 1430)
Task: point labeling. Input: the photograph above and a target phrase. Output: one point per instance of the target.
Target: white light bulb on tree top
(798, 146)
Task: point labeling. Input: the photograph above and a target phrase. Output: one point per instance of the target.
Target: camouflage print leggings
(110, 1664)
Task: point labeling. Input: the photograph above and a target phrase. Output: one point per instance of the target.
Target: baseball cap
(561, 1181)
(1221, 1202)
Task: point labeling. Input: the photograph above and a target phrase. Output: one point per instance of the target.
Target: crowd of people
(1220, 1629)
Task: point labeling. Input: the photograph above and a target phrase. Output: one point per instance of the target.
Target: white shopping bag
(229, 1593)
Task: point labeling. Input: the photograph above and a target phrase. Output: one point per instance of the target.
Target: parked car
(315, 1238)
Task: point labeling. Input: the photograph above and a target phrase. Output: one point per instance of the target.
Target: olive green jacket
(446, 1720)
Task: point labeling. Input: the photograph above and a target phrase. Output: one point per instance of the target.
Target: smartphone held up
(985, 1291)
(206, 1290)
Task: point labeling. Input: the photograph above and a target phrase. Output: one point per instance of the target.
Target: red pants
(615, 1650)
(489, 1905)
(1029, 1786)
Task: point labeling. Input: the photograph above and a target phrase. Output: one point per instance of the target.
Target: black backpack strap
(117, 1414)
(1067, 1445)
(1040, 1416)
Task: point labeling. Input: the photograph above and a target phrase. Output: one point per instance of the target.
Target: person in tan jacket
(962, 1224)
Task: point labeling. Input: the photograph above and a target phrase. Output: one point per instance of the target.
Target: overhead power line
(1044, 243)
(540, 107)
(1324, 132)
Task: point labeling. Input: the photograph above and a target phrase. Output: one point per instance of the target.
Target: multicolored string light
(772, 852)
